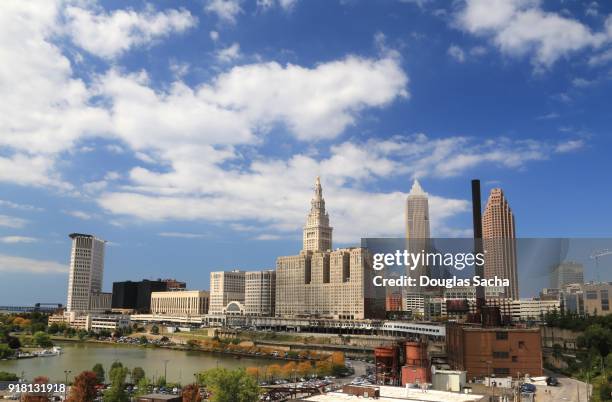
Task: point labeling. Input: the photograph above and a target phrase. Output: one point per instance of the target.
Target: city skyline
(185, 143)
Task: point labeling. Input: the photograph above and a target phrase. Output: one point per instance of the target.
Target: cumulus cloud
(456, 53)
(195, 188)
(225, 10)
(229, 53)
(522, 27)
(21, 265)
(109, 35)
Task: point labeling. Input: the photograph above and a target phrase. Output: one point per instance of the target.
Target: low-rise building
(597, 298)
(503, 351)
(180, 302)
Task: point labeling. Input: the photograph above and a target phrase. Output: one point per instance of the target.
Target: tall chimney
(478, 247)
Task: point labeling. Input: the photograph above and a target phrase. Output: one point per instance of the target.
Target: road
(570, 390)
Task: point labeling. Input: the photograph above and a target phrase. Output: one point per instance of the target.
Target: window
(501, 335)
(591, 294)
(500, 355)
(514, 359)
(521, 344)
(501, 370)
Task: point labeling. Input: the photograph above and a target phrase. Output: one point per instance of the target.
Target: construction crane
(596, 255)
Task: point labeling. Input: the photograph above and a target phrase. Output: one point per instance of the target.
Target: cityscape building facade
(180, 302)
(499, 239)
(260, 293)
(323, 283)
(86, 271)
(566, 273)
(226, 287)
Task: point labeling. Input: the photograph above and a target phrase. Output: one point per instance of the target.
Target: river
(77, 357)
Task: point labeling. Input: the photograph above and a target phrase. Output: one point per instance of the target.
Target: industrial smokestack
(478, 247)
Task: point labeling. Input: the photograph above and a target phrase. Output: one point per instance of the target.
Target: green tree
(6, 351)
(14, 342)
(116, 392)
(116, 364)
(138, 373)
(596, 337)
(4, 376)
(143, 340)
(155, 330)
(230, 385)
(82, 334)
(99, 370)
(42, 339)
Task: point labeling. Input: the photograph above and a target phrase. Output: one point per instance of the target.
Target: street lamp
(66, 372)
(165, 370)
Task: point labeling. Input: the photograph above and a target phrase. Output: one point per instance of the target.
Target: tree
(598, 338)
(137, 374)
(82, 334)
(143, 340)
(99, 371)
(230, 385)
(13, 342)
(117, 393)
(6, 352)
(42, 339)
(143, 386)
(5, 376)
(155, 330)
(191, 393)
(84, 387)
(116, 364)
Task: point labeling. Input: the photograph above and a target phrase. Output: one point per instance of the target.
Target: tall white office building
(566, 273)
(86, 271)
(417, 236)
(226, 287)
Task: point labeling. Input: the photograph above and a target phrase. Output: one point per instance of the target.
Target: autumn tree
(84, 387)
(191, 393)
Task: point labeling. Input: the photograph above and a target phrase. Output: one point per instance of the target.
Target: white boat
(55, 351)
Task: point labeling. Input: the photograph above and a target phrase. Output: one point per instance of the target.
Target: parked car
(527, 388)
(552, 382)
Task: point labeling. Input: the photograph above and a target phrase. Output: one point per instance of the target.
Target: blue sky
(189, 134)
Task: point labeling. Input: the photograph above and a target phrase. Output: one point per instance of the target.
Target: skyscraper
(317, 232)
(566, 273)
(323, 283)
(417, 213)
(499, 238)
(417, 235)
(86, 271)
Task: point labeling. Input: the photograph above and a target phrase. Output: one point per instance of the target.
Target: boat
(55, 351)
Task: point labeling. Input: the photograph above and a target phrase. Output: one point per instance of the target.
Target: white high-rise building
(226, 287)
(260, 293)
(417, 213)
(86, 271)
(317, 232)
(417, 235)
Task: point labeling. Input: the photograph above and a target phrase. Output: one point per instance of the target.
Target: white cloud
(108, 35)
(601, 58)
(229, 54)
(548, 116)
(521, 27)
(78, 214)
(182, 235)
(12, 222)
(23, 207)
(22, 265)
(214, 36)
(456, 53)
(226, 10)
(17, 239)
(196, 189)
(569, 146)
(286, 5)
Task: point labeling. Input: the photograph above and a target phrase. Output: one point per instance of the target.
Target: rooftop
(395, 394)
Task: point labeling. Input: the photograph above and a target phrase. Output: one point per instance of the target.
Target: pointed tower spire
(416, 188)
(317, 232)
